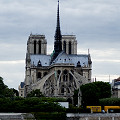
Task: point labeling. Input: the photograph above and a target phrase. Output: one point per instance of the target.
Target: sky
(96, 24)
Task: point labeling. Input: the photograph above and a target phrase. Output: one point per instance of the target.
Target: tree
(104, 89)
(16, 93)
(2, 87)
(5, 91)
(75, 97)
(35, 93)
(89, 94)
(8, 93)
(92, 92)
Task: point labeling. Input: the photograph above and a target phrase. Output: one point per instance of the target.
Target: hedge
(28, 105)
(110, 102)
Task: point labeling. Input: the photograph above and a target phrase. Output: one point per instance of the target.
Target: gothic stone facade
(66, 73)
(58, 74)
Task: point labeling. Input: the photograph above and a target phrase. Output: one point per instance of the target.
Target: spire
(58, 37)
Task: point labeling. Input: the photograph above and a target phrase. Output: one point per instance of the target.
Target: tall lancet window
(39, 47)
(34, 47)
(64, 46)
(70, 47)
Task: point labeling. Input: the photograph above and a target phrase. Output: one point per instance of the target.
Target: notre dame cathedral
(58, 74)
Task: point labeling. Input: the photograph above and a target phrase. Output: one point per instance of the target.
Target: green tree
(89, 94)
(5, 91)
(35, 93)
(8, 93)
(15, 92)
(104, 89)
(92, 92)
(75, 97)
(2, 87)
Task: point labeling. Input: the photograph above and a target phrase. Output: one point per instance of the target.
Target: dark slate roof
(72, 59)
(44, 59)
(117, 83)
(22, 84)
(61, 58)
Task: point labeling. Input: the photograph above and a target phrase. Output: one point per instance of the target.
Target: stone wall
(106, 116)
(16, 116)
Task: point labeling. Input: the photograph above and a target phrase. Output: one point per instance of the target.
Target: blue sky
(96, 24)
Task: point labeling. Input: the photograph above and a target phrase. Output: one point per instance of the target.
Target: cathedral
(58, 74)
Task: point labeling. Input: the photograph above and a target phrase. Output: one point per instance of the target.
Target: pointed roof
(58, 36)
(71, 59)
(62, 58)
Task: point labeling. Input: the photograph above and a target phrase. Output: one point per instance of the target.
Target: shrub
(110, 102)
(28, 105)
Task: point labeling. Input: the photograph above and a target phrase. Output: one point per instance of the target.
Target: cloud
(105, 78)
(12, 51)
(12, 62)
(106, 60)
(96, 19)
(94, 22)
(12, 72)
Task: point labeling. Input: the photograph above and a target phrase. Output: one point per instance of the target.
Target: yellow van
(106, 108)
(95, 108)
